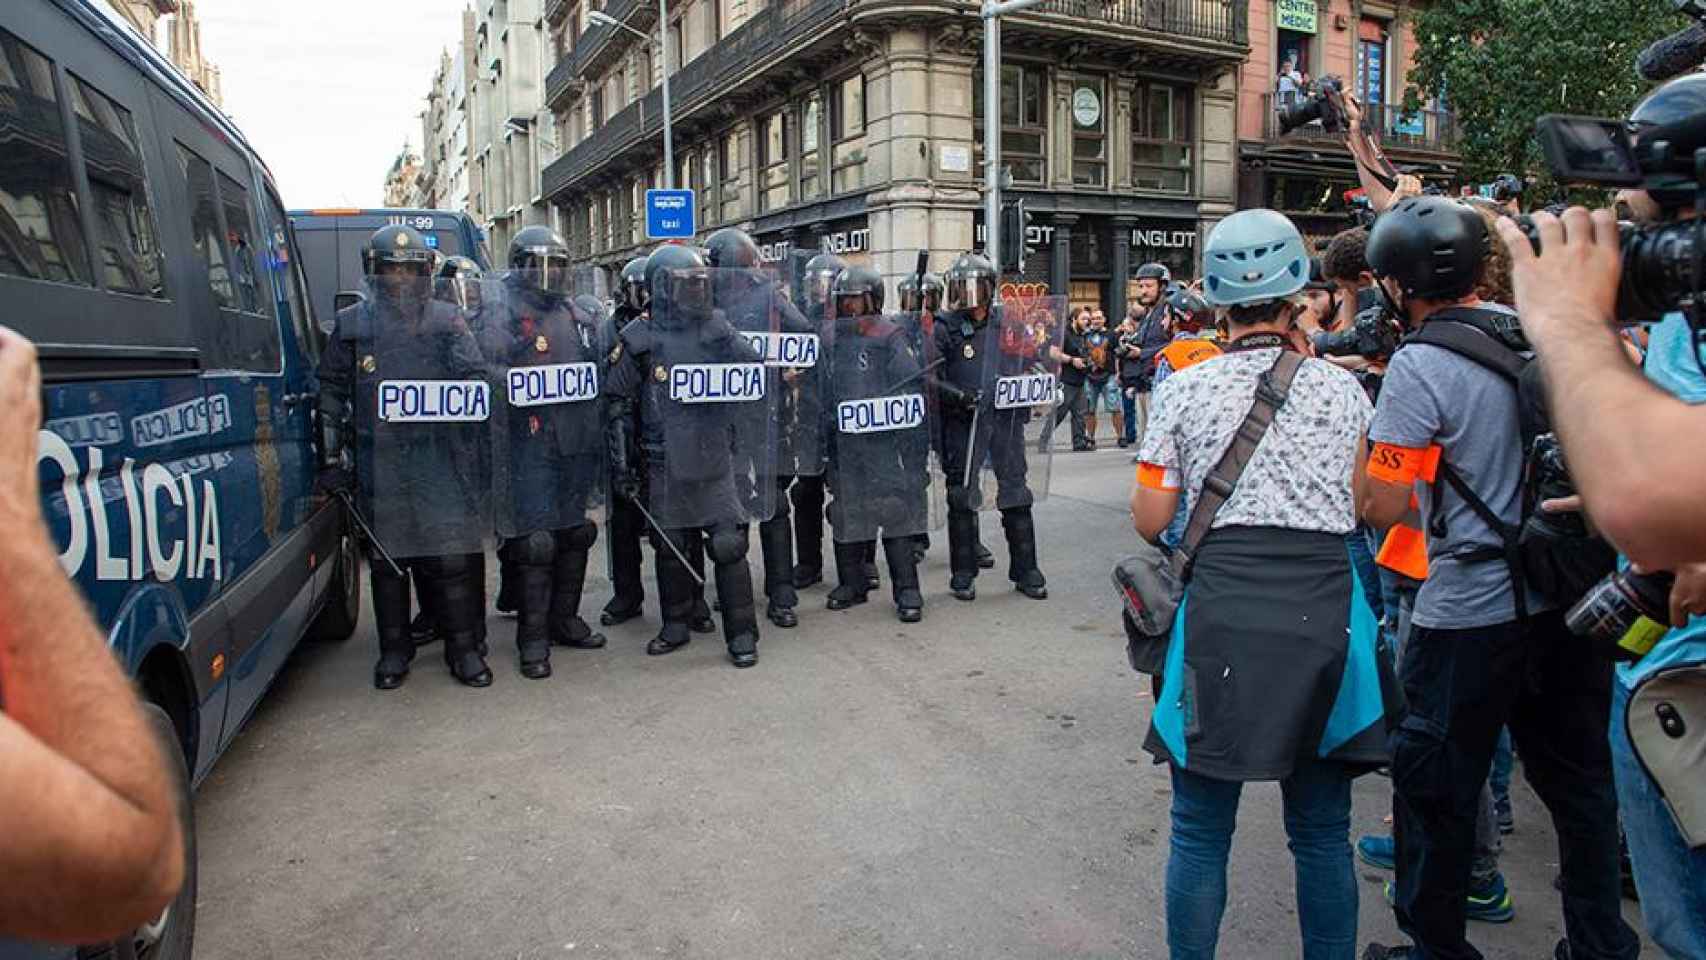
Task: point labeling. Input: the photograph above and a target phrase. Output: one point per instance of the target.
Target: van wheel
(172, 935)
(338, 618)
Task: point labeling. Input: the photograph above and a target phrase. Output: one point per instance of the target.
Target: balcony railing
(740, 55)
(1424, 131)
(558, 80)
(1222, 21)
(600, 39)
(554, 10)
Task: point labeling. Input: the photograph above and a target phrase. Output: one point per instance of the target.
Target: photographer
(1146, 335)
(1273, 634)
(1635, 453)
(1073, 355)
(1485, 650)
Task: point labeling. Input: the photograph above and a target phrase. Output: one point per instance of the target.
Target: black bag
(1555, 554)
(1152, 583)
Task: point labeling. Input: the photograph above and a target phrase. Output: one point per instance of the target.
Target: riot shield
(792, 352)
(546, 355)
(421, 392)
(880, 459)
(1010, 456)
(713, 398)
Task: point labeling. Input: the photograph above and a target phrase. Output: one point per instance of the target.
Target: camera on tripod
(1324, 102)
(1374, 335)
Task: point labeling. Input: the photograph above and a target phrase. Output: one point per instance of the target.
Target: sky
(327, 90)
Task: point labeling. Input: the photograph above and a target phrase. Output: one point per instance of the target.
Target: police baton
(971, 443)
(915, 376)
(667, 541)
(367, 531)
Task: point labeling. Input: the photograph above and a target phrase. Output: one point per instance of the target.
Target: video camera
(1374, 334)
(1324, 102)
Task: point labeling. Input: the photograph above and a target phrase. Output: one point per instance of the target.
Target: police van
(144, 249)
(331, 242)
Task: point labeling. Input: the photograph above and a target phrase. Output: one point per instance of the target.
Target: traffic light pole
(992, 13)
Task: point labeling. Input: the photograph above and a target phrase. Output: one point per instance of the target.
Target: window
(127, 244)
(595, 106)
(240, 238)
(1161, 138)
(1294, 66)
(707, 178)
(1371, 61)
(728, 176)
(1024, 128)
(773, 179)
(847, 132)
(287, 276)
(41, 235)
(811, 156)
(1089, 133)
(204, 226)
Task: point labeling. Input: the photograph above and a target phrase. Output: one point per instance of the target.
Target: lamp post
(599, 16)
(991, 14)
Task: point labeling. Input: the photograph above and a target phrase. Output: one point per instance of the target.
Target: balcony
(742, 56)
(1418, 131)
(554, 10)
(559, 81)
(1215, 21)
(596, 50)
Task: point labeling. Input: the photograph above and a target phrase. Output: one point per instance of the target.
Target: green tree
(1499, 64)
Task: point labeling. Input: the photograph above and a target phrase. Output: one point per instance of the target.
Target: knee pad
(963, 499)
(727, 544)
(578, 538)
(451, 566)
(534, 549)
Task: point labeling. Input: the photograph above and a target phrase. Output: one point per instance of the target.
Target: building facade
(1305, 172)
(511, 134)
(182, 42)
(445, 129)
(402, 181)
(856, 126)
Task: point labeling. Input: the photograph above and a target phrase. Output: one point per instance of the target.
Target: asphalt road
(972, 786)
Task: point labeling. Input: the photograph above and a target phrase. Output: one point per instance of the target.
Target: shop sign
(1163, 238)
(1297, 15)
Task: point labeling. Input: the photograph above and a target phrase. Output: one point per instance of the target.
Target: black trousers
(1554, 692)
(1072, 404)
(625, 529)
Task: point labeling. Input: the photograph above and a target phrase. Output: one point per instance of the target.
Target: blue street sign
(669, 215)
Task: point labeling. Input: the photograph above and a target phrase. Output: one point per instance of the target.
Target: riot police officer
(747, 298)
(879, 453)
(975, 351)
(816, 282)
(548, 440)
(674, 443)
(403, 394)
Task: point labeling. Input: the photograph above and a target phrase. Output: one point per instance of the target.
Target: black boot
(850, 570)
(727, 545)
(807, 497)
(701, 621)
(422, 631)
(466, 664)
(532, 634)
(453, 582)
(677, 594)
(509, 591)
(872, 581)
(1022, 553)
(671, 638)
(624, 529)
(776, 542)
(391, 613)
(985, 557)
(962, 554)
(568, 575)
(903, 578)
(920, 548)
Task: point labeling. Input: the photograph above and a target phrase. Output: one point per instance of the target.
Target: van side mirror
(347, 298)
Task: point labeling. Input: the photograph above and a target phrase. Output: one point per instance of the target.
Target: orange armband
(1156, 477)
(1403, 465)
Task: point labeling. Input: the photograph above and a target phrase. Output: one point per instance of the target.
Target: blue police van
(331, 242)
(144, 249)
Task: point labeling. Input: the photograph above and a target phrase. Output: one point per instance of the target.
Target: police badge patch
(541, 345)
(368, 365)
(659, 373)
(970, 351)
(615, 353)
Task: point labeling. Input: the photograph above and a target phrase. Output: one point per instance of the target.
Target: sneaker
(1379, 852)
(1507, 821)
(1489, 902)
(1376, 951)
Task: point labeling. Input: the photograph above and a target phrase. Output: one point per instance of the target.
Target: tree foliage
(1500, 64)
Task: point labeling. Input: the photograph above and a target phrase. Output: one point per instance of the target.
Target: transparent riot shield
(423, 402)
(995, 441)
(794, 352)
(880, 470)
(546, 355)
(710, 401)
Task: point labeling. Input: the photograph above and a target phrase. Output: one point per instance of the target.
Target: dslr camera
(1374, 335)
(1324, 102)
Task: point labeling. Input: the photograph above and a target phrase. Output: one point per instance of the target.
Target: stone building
(182, 41)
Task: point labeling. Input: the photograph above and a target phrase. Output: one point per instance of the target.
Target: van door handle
(292, 399)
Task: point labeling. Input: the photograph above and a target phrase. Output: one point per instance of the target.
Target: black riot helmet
(1677, 101)
(858, 292)
(819, 278)
(732, 248)
(910, 293)
(971, 282)
(589, 308)
(539, 261)
(398, 245)
(1432, 246)
(631, 288)
(1154, 271)
(459, 282)
(932, 292)
(680, 283)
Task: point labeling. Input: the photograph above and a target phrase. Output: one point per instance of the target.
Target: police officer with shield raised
(548, 466)
(807, 493)
(880, 448)
(749, 300)
(694, 389)
(979, 348)
(404, 395)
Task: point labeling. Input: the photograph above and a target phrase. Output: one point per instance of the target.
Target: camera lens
(1625, 613)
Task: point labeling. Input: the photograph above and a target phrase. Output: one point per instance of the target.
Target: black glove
(331, 481)
(958, 398)
(626, 484)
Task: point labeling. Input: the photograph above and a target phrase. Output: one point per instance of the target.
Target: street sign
(669, 215)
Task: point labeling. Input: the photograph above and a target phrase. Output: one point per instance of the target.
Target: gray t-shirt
(1433, 397)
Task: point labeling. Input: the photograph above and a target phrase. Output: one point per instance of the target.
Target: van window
(287, 273)
(41, 233)
(204, 226)
(240, 236)
(127, 244)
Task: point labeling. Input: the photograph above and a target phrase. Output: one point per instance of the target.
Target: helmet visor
(690, 289)
(463, 290)
(975, 290)
(547, 271)
(818, 286)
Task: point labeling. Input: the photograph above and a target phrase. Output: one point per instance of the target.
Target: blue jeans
(1670, 877)
(1362, 560)
(1500, 777)
(1318, 821)
(1128, 404)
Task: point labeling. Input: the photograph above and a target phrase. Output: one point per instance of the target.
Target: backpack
(1554, 554)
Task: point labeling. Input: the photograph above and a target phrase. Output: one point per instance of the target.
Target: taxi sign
(669, 215)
